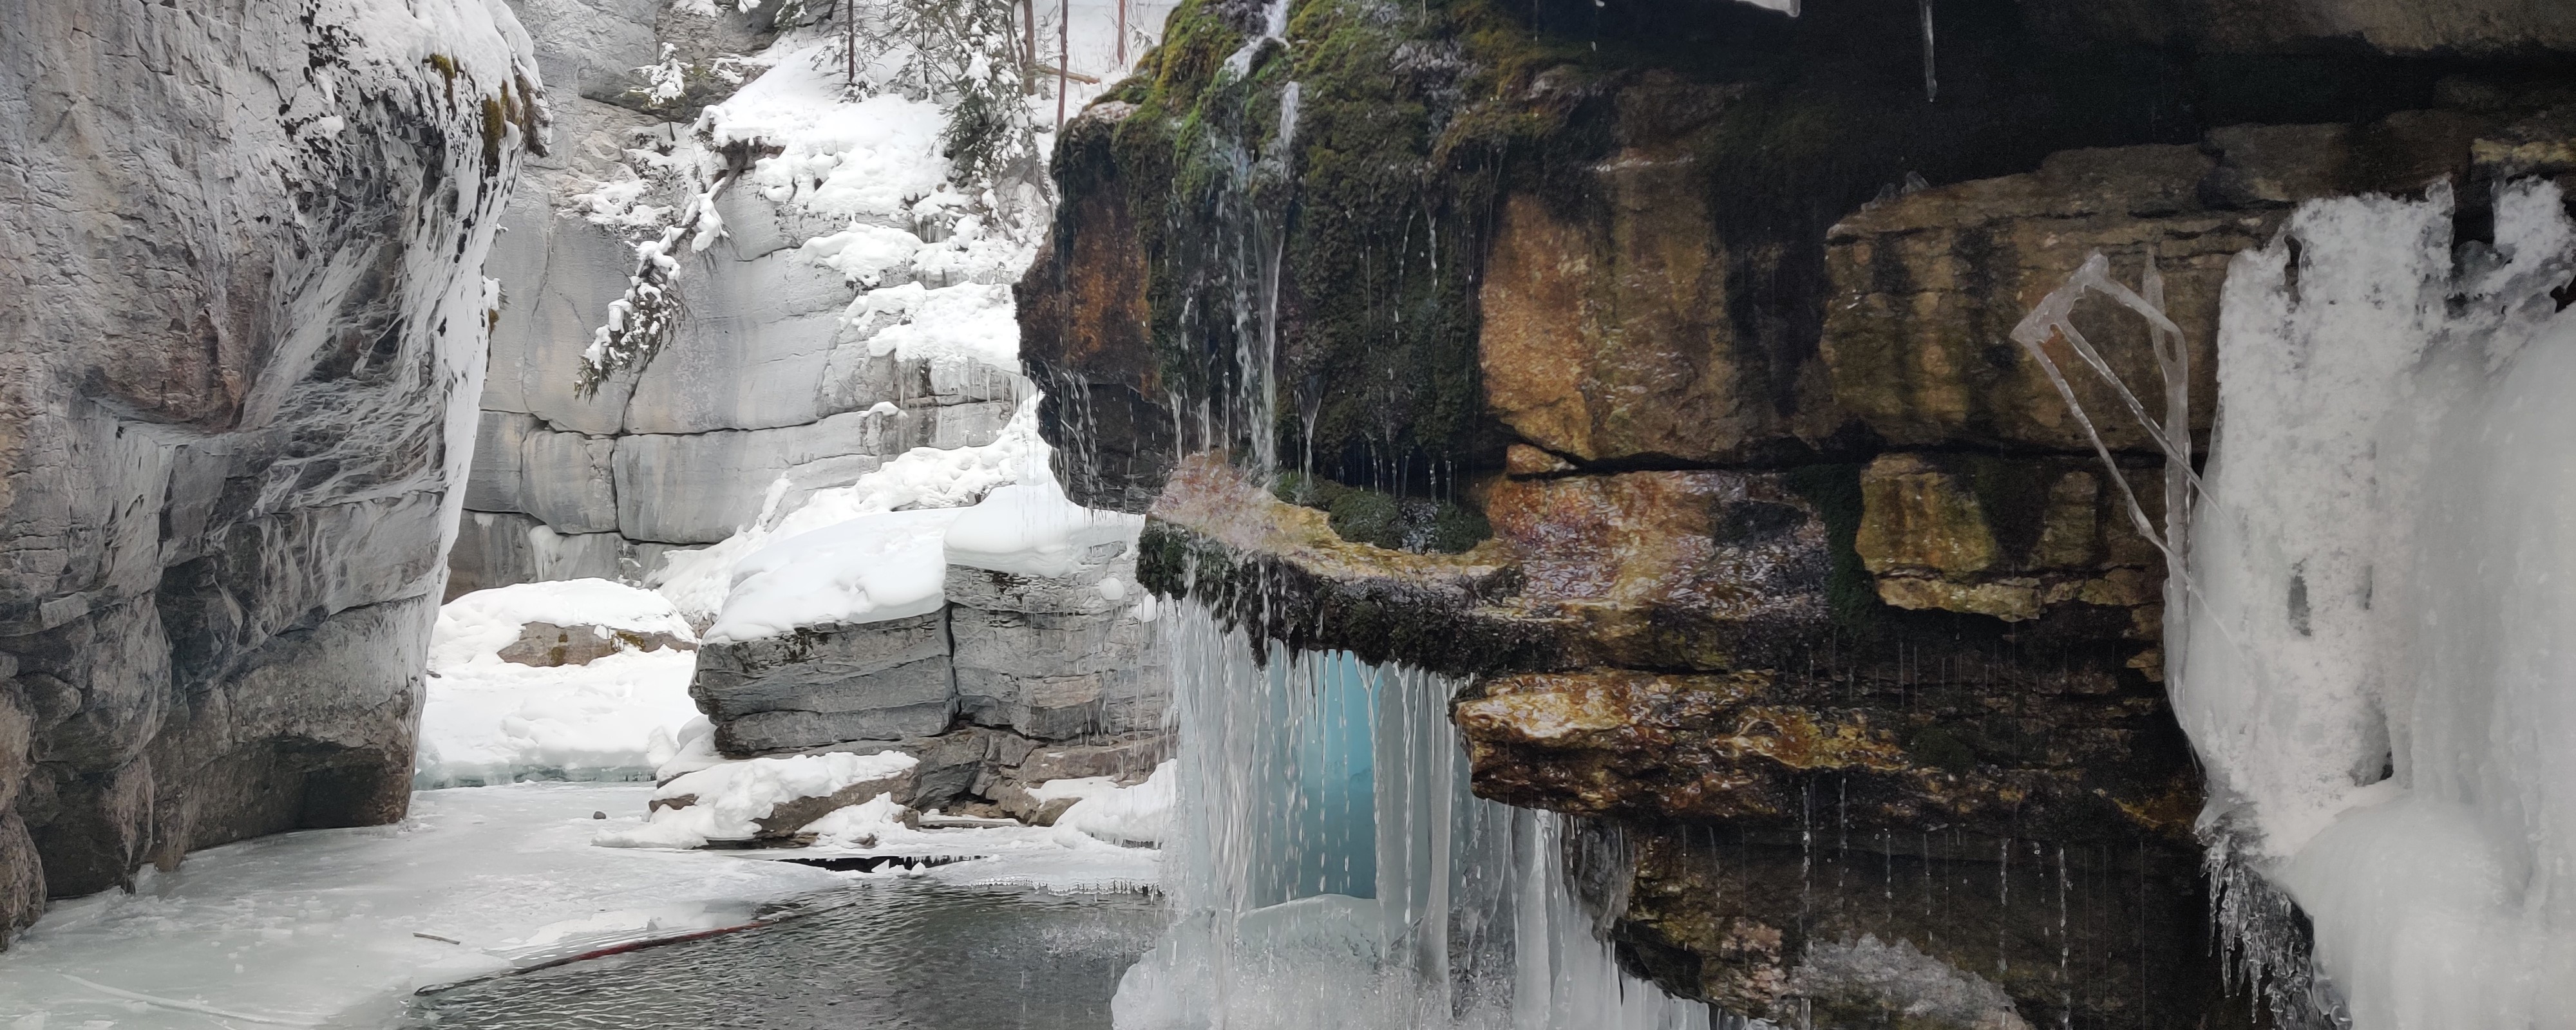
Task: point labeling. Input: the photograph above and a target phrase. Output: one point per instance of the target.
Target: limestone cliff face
(764, 379)
(1785, 565)
(238, 355)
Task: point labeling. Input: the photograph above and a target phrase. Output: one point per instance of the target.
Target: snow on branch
(642, 319)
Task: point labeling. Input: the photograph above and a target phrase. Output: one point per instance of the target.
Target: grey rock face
(1056, 677)
(761, 381)
(701, 488)
(561, 479)
(1046, 658)
(1056, 658)
(825, 684)
(756, 340)
(496, 549)
(237, 370)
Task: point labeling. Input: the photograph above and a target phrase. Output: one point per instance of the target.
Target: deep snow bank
(616, 717)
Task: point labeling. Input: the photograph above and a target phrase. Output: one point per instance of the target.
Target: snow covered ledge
(988, 651)
(1016, 614)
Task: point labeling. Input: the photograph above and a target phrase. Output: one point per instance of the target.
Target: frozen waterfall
(2381, 677)
(1332, 870)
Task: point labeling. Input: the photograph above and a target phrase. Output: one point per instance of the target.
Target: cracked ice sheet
(318, 928)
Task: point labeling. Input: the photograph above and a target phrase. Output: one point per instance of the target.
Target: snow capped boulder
(579, 679)
(764, 798)
(1016, 613)
(1135, 814)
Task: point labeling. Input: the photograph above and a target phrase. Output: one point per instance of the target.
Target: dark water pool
(892, 953)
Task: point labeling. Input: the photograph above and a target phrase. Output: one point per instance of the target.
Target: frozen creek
(1328, 848)
(340, 927)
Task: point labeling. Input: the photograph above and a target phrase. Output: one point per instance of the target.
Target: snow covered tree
(965, 56)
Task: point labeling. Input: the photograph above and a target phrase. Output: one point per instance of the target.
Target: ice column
(2380, 679)
(1331, 868)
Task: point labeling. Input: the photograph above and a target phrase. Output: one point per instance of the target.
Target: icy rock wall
(770, 389)
(2376, 673)
(244, 333)
(1773, 551)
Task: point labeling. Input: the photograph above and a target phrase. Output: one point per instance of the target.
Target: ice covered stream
(334, 927)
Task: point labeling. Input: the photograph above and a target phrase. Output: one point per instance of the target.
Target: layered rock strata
(1015, 680)
(768, 389)
(244, 333)
(1803, 585)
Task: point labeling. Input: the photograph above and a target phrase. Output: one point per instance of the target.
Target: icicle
(1256, 942)
(1931, 85)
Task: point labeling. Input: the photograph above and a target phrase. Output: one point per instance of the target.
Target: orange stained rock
(1626, 708)
(1209, 497)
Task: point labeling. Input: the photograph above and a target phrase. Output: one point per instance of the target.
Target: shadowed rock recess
(241, 332)
(1648, 365)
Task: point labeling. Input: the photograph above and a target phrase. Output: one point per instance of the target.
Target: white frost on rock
(474, 628)
(490, 721)
(730, 796)
(880, 565)
(692, 748)
(1047, 858)
(875, 567)
(863, 254)
(864, 825)
(865, 160)
(974, 321)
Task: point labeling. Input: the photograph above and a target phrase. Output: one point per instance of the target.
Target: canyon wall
(1652, 365)
(765, 378)
(243, 333)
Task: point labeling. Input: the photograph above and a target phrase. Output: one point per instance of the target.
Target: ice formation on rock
(2377, 679)
(1329, 867)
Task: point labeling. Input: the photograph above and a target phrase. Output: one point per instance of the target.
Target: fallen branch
(1048, 69)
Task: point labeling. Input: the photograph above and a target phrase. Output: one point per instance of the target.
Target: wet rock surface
(1787, 531)
(1847, 927)
(240, 352)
